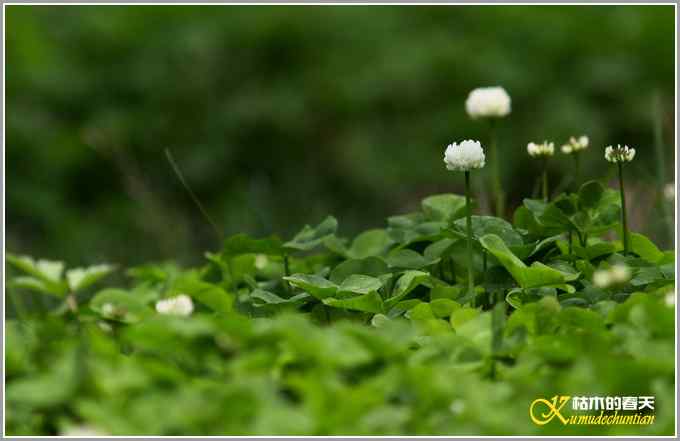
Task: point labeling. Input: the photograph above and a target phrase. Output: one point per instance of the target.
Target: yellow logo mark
(553, 409)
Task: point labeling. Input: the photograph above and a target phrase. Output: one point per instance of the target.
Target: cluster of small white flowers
(180, 305)
(464, 156)
(488, 102)
(616, 275)
(539, 150)
(619, 153)
(575, 145)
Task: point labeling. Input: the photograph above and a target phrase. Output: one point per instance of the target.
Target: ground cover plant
(439, 321)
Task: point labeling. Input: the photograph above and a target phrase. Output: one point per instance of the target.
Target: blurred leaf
(314, 285)
(244, 244)
(119, 305)
(81, 278)
(359, 284)
(369, 243)
(444, 207)
(644, 248)
(371, 302)
(311, 237)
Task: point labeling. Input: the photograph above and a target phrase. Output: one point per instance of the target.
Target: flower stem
(571, 247)
(19, 308)
(495, 171)
(286, 271)
(577, 170)
(544, 181)
(657, 112)
(468, 223)
(624, 217)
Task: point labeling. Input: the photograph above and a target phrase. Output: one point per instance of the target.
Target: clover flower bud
(109, 309)
(457, 406)
(261, 261)
(602, 278)
(488, 102)
(669, 191)
(619, 153)
(180, 305)
(619, 274)
(544, 149)
(669, 299)
(575, 145)
(464, 156)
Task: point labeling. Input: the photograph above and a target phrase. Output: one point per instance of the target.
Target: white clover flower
(576, 144)
(602, 278)
(669, 191)
(109, 309)
(464, 156)
(457, 406)
(619, 153)
(261, 261)
(104, 326)
(541, 150)
(669, 299)
(488, 102)
(619, 274)
(180, 305)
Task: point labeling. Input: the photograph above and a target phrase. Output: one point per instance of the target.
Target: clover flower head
(619, 273)
(180, 305)
(457, 406)
(619, 153)
(261, 261)
(669, 299)
(602, 278)
(464, 156)
(488, 102)
(669, 191)
(575, 144)
(544, 149)
(109, 309)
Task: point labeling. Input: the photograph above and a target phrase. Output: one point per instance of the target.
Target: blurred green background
(281, 115)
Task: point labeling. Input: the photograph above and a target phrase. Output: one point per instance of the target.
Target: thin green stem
(19, 308)
(495, 170)
(544, 181)
(452, 270)
(624, 217)
(286, 271)
(660, 156)
(571, 245)
(194, 198)
(468, 222)
(484, 261)
(231, 284)
(577, 170)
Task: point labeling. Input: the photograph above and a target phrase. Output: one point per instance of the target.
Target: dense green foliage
(265, 106)
(374, 335)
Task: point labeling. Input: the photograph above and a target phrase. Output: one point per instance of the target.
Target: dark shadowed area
(279, 116)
